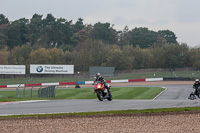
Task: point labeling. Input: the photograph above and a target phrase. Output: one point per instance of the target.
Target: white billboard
(51, 69)
(12, 69)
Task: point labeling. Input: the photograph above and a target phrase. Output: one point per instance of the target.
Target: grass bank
(87, 93)
(115, 112)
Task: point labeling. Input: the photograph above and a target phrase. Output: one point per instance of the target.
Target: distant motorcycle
(192, 95)
(101, 91)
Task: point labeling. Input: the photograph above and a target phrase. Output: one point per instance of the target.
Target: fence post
(39, 92)
(24, 92)
(31, 91)
(17, 94)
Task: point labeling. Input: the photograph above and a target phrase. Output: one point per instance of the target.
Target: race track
(174, 96)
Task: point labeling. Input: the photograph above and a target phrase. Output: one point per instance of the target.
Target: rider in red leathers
(102, 80)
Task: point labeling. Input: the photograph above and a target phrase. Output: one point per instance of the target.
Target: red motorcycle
(102, 92)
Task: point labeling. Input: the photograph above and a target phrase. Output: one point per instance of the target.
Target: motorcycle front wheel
(99, 95)
(192, 97)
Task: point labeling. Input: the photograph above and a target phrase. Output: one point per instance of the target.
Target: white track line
(18, 102)
(160, 93)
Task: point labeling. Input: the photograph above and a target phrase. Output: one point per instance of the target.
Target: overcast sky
(180, 16)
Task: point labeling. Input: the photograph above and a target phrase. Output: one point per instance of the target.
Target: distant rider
(102, 80)
(195, 86)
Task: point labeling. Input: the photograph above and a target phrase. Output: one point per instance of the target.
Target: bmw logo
(39, 69)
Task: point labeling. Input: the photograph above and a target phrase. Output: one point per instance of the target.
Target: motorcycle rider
(102, 80)
(196, 85)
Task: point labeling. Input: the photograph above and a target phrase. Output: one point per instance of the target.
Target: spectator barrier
(81, 82)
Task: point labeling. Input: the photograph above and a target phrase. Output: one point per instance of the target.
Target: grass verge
(115, 112)
(86, 93)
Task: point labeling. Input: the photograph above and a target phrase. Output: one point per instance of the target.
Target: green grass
(12, 93)
(117, 93)
(136, 92)
(7, 94)
(9, 81)
(87, 93)
(83, 93)
(22, 99)
(118, 112)
(160, 75)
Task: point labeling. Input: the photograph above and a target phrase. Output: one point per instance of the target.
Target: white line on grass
(160, 93)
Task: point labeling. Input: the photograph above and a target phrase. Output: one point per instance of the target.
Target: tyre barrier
(178, 79)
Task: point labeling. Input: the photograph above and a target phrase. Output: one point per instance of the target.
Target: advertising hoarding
(12, 69)
(104, 71)
(51, 69)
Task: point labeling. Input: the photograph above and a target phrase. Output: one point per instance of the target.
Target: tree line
(53, 40)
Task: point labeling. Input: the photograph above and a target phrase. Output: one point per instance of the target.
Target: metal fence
(35, 92)
(26, 92)
(47, 92)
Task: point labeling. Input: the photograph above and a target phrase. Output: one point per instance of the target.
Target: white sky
(180, 16)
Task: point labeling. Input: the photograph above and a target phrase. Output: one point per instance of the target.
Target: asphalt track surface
(173, 96)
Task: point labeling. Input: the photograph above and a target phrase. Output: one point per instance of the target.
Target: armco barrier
(15, 85)
(49, 84)
(89, 82)
(119, 81)
(31, 85)
(82, 82)
(136, 80)
(3, 86)
(107, 81)
(154, 79)
(67, 83)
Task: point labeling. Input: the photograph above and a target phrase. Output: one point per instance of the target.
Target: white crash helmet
(196, 81)
(98, 75)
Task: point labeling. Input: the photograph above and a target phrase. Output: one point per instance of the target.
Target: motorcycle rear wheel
(110, 97)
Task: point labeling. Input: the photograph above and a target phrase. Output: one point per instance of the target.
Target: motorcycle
(101, 91)
(192, 95)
